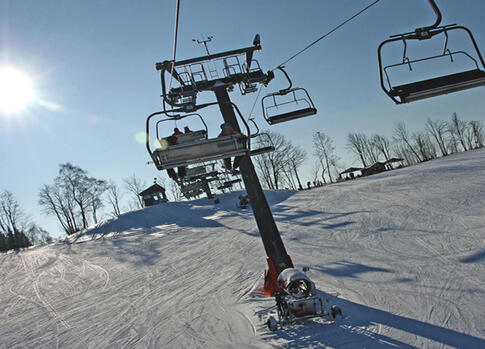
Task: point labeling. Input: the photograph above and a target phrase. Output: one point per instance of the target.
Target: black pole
(270, 235)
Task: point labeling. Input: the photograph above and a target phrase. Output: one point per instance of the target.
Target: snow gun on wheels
(297, 299)
(218, 73)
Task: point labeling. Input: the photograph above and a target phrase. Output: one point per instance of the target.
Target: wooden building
(153, 195)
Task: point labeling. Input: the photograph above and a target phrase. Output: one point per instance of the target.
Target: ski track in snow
(402, 253)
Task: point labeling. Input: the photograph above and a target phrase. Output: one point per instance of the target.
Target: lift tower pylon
(278, 259)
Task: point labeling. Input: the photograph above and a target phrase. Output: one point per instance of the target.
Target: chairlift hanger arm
(438, 16)
(285, 90)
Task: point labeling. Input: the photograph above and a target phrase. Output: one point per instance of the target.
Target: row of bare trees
(76, 199)
(279, 169)
(439, 138)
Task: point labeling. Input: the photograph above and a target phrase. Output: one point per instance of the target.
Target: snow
(401, 253)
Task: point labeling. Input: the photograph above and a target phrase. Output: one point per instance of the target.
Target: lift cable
(254, 104)
(175, 40)
(327, 34)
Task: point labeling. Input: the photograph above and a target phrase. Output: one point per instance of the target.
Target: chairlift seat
(439, 86)
(200, 151)
(295, 114)
(263, 150)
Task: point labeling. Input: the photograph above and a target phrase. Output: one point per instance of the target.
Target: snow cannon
(293, 282)
(297, 299)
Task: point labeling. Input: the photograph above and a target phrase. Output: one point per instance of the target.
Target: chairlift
(194, 147)
(436, 86)
(287, 104)
(259, 134)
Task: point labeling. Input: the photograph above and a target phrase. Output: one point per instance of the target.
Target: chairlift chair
(195, 147)
(296, 103)
(259, 134)
(438, 85)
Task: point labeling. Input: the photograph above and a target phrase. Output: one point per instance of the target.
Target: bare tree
(14, 224)
(174, 192)
(315, 171)
(424, 146)
(271, 165)
(296, 156)
(98, 188)
(437, 129)
(84, 190)
(383, 145)
(401, 134)
(10, 213)
(54, 203)
(356, 142)
(468, 135)
(371, 150)
(135, 185)
(72, 197)
(403, 152)
(477, 131)
(458, 128)
(114, 198)
(324, 150)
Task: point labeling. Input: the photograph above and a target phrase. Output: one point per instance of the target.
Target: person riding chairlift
(227, 130)
(172, 140)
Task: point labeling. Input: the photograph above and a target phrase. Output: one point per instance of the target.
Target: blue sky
(93, 68)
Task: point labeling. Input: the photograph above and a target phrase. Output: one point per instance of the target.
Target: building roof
(351, 169)
(152, 190)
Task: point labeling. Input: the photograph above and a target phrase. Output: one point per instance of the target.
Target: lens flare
(140, 137)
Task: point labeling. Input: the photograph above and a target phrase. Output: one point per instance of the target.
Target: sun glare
(16, 90)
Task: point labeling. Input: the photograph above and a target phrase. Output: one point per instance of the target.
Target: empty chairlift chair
(435, 86)
(287, 104)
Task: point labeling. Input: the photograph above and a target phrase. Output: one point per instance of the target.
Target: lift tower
(182, 81)
(219, 73)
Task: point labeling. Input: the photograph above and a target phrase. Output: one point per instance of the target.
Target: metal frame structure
(436, 86)
(299, 96)
(201, 74)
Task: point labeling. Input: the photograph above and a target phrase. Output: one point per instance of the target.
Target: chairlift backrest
(191, 136)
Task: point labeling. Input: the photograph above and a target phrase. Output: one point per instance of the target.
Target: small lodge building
(378, 167)
(153, 195)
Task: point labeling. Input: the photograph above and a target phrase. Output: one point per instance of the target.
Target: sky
(92, 64)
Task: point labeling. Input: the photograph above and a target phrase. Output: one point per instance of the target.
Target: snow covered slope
(402, 253)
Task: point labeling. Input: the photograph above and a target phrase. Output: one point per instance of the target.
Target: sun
(16, 90)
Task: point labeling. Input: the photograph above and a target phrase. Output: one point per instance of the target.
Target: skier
(172, 140)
